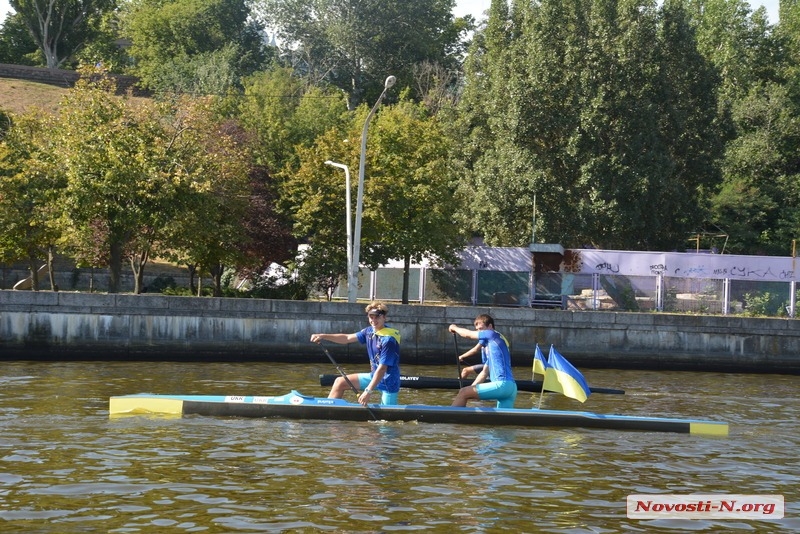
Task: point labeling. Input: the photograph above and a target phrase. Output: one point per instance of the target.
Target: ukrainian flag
(562, 377)
(539, 363)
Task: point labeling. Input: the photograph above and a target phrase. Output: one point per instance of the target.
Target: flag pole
(536, 355)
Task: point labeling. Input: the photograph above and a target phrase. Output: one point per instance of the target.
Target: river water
(65, 466)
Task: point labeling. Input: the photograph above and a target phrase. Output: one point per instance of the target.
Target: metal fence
(685, 283)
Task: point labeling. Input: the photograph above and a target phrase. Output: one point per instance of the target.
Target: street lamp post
(348, 226)
(352, 289)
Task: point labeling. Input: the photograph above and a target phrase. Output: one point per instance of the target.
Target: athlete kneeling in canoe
(470, 370)
(383, 349)
(497, 368)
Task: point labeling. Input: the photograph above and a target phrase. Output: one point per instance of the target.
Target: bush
(161, 284)
(763, 305)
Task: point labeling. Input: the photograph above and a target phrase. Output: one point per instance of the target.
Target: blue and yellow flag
(539, 363)
(562, 377)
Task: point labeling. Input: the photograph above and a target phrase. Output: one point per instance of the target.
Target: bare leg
(465, 394)
(340, 385)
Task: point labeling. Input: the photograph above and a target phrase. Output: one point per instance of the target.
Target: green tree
(410, 213)
(99, 139)
(691, 126)
(194, 46)
(282, 111)
(60, 28)
(206, 228)
(105, 46)
(30, 192)
(788, 32)
(599, 109)
(16, 44)
(355, 44)
(737, 41)
(758, 202)
(315, 196)
(408, 196)
(134, 168)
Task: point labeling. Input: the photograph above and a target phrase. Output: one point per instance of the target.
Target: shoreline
(64, 326)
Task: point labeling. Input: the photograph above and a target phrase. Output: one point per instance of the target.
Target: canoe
(435, 382)
(298, 406)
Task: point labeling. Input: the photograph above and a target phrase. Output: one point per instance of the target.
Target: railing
(673, 282)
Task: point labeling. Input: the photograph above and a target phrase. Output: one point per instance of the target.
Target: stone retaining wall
(47, 325)
(64, 78)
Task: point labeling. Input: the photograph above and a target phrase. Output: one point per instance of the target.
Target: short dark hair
(486, 319)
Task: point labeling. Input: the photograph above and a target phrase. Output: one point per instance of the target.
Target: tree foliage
(601, 110)
(17, 47)
(355, 44)
(60, 28)
(192, 46)
(144, 172)
(30, 191)
(758, 203)
(737, 41)
(408, 196)
(283, 111)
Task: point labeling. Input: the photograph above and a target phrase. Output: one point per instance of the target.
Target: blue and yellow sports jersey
(498, 357)
(383, 348)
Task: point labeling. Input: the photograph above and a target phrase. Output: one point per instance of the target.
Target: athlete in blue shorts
(383, 349)
(470, 370)
(497, 367)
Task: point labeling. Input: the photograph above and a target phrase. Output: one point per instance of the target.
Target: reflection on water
(65, 466)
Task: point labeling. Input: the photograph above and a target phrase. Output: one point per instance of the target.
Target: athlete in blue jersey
(383, 349)
(466, 372)
(497, 367)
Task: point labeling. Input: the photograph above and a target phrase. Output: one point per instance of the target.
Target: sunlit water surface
(65, 466)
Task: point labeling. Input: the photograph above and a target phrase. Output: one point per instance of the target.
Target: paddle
(458, 361)
(346, 379)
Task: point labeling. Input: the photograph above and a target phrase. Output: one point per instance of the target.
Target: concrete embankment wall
(61, 326)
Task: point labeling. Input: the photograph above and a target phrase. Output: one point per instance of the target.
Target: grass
(19, 96)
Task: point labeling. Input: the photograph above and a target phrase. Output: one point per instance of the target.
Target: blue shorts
(505, 393)
(386, 398)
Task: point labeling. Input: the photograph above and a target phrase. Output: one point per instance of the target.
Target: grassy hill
(19, 96)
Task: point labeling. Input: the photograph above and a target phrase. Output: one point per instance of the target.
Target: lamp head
(390, 81)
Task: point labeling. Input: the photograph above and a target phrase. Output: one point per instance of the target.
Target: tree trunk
(137, 266)
(115, 268)
(216, 276)
(192, 271)
(356, 89)
(50, 271)
(406, 269)
(34, 273)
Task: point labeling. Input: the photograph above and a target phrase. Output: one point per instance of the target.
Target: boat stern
(140, 404)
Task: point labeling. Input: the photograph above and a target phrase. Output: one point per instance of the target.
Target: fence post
(474, 287)
(726, 296)
(422, 285)
(531, 288)
(373, 285)
(659, 292)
